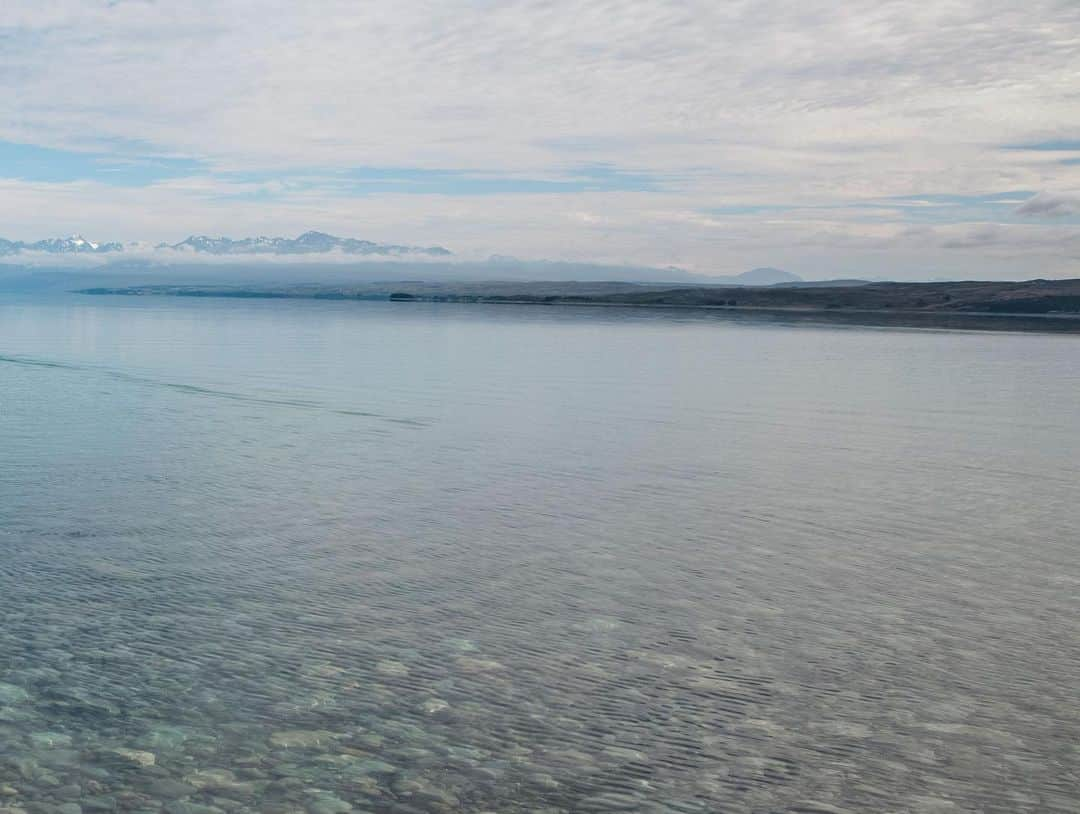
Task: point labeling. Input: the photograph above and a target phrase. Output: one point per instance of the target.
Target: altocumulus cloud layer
(903, 139)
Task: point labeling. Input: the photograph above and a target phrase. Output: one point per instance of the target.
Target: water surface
(289, 556)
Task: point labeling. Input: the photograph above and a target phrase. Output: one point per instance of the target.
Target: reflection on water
(322, 557)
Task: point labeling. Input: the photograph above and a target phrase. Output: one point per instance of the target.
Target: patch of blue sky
(363, 181)
(941, 208)
(1070, 147)
(950, 208)
(588, 178)
(29, 162)
(1051, 146)
(131, 164)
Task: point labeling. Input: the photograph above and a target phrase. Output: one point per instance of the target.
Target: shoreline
(869, 317)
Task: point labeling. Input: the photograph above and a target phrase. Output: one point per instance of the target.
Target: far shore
(1034, 305)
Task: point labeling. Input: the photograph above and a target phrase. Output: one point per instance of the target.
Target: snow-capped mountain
(76, 244)
(307, 243)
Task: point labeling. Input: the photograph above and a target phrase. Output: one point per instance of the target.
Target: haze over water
(285, 556)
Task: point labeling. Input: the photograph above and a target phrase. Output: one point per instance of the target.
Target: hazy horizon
(344, 270)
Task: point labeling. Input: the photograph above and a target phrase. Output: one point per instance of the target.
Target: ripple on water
(246, 577)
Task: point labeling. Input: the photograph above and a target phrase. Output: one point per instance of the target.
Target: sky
(883, 139)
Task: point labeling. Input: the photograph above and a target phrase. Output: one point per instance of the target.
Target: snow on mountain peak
(308, 243)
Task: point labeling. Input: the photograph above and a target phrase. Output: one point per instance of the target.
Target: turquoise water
(269, 556)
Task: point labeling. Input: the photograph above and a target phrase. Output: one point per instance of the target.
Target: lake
(293, 556)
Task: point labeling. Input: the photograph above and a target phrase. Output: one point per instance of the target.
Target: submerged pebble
(10, 694)
(302, 738)
(46, 740)
(135, 757)
(685, 605)
(389, 667)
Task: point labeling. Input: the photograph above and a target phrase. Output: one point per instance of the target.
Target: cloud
(502, 85)
(700, 133)
(1049, 205)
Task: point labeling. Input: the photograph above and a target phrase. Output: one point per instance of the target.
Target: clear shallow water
(314, 557)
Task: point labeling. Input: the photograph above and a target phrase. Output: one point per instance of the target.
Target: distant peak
(767, 275)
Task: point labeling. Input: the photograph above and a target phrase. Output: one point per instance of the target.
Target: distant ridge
(765, 275)
(76, 244)
(306, 244)
(838, 283)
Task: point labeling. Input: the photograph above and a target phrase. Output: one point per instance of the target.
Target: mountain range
(76, 244)
(318, 256)
(307, 243)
